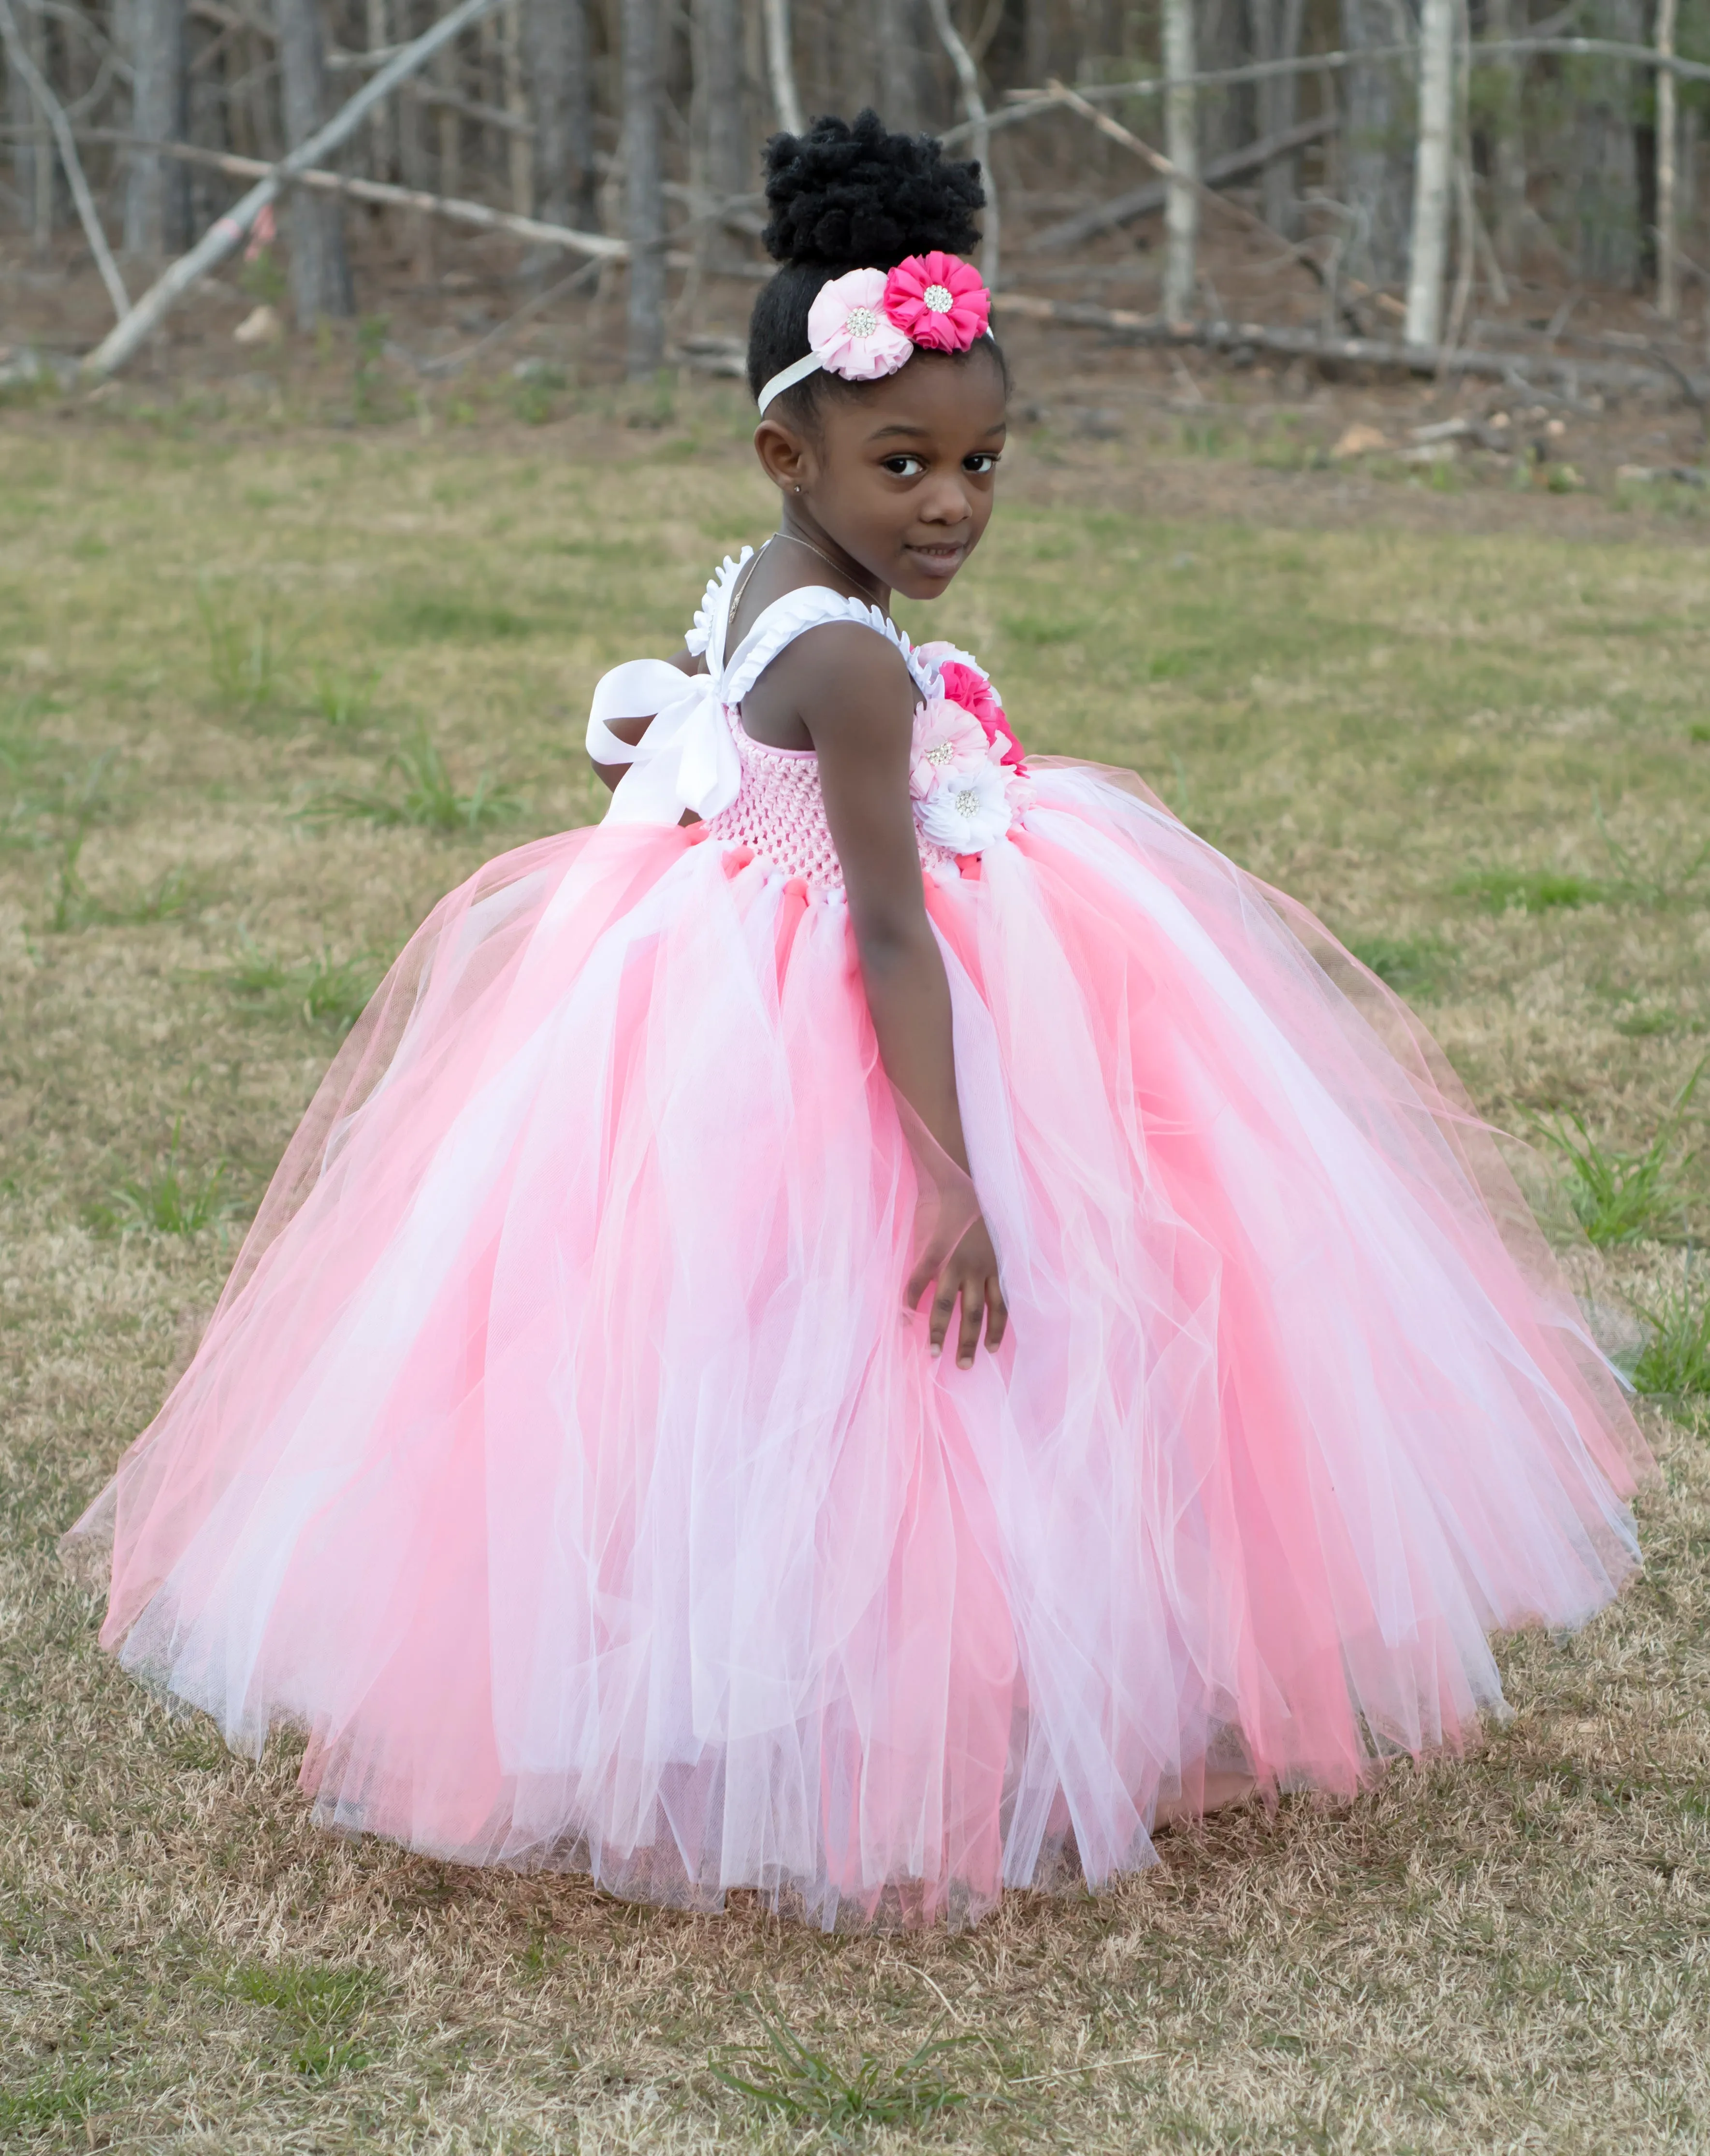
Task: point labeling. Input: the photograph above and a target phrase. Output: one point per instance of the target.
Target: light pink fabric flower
(971, 686)
(948, 743)
(938, 301)
(850, 332)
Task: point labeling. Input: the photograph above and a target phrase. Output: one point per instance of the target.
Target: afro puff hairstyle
(845, 198)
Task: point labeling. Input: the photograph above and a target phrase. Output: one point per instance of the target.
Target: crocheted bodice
(779, 815)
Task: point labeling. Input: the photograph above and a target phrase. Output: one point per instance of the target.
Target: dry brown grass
(1508, 1952)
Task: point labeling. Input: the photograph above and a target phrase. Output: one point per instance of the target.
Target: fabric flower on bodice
(948, 743)
(968, 811)
(938, 301)
(970, 686)
(849, 331)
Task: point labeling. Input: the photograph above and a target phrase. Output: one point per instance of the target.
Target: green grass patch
(169, 1199)
(1674, 1363)
(786, 2077)
(322, 990)
(1625, 1197)
(327, 2011)
(1411, 965)
(245, 664)
(1527, 891)
(451, 618)
(425, 795)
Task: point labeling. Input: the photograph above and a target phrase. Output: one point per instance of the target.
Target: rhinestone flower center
(937, 299)
(940, 753)
(967, 804)
(862, 321)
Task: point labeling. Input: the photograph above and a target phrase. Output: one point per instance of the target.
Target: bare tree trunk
(1668, 292)
(1508, 147)
(980, 130)
(720, 138)
(1036, 42)
(1433, 173)
(33, 29)
(1181, 213)
(1276, 36)
(1605, 164)
(644, 185)
(380, 127)
(780, 66)
(566, 188)
(158, 190)
(20, 115)
(320, 274)
(1377, 141)
(896, 32)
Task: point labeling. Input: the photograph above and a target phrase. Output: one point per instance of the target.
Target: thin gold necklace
(825, 556)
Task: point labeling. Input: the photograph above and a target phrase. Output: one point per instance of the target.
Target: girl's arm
(632, 730)
(857, 700)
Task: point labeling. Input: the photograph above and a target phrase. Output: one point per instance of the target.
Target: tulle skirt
(562, 1457)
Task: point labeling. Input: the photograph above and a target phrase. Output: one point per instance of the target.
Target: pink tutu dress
(561, 1460)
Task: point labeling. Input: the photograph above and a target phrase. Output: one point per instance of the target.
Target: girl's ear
(785, 456)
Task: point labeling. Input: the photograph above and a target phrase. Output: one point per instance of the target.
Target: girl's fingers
(943, 1309)
(972, 1310)
(997, 1315)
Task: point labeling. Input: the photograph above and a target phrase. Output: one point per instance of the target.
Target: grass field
(261, 700)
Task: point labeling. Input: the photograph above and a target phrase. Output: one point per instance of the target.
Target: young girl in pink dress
(571, 1456)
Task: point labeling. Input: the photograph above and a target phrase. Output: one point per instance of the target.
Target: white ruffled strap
(686, 759)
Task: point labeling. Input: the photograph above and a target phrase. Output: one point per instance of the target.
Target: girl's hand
(969, 1273)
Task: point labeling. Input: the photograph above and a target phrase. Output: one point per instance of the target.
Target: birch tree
(1429, 254)
(156, 189)
(643, 185)
(561, 90)
(1181, 213)
(320, 274)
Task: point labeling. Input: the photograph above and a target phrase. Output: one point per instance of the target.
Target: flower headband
(865, 325)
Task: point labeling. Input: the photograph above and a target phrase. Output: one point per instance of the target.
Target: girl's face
(901, 476)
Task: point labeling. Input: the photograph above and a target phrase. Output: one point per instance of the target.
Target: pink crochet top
(779, 815)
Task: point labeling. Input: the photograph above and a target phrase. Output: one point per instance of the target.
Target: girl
(567, 1456)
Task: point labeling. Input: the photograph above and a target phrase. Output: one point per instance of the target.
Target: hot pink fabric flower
(849, 331)
(938, 301)
(948, 743)
(970, 686)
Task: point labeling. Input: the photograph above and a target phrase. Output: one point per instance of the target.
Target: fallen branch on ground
(1142, 202)
(599, 245)
(1364, 351)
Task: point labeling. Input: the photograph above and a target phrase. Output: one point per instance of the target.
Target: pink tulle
(562, 1459)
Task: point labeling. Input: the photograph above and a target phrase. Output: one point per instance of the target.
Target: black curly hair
(845, 198)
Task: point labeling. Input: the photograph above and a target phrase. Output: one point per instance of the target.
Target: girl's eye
(981, 463)
(905, 467)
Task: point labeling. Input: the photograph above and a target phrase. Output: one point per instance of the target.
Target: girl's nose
(947, 504)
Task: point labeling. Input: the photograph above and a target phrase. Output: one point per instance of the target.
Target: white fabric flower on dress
(849, 332)
(968, 811)
(947, 741)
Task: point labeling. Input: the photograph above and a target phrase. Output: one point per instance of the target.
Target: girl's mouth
(940, 560)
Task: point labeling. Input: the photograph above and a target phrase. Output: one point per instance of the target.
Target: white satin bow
(686, 759)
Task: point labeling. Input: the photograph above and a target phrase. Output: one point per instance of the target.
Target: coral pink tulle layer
(560, 1457)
